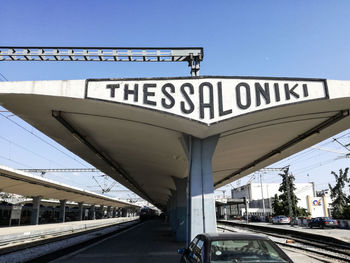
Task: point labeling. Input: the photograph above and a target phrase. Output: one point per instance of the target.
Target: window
(244, 251)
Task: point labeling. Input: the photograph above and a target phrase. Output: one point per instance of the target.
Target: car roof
(231, 236)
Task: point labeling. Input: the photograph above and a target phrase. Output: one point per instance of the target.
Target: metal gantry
(64, 170)
(192, 55)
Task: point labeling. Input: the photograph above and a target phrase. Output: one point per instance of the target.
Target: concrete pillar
(324, 204)
(172, 210)
(114, 212)
(62, 217)
(225, 212)
(102, 211)
(81, 210)
(180, 209)
(124, 212)
(34, 219)
(92, 212)
(109, 211)
(202, 218)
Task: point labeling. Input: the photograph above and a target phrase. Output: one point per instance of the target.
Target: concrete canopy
(22, 183)
(137, 130)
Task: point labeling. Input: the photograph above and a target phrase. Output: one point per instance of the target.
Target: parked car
(232, 247)
(323, 222)
(255, 218)
(280, 220)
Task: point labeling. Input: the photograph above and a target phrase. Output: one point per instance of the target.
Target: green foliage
(346, 212)
(277, 206)
(340, 202)
(280, 204)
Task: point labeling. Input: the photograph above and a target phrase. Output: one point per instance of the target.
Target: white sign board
(209, 99)
(317, 207)
(16, 212)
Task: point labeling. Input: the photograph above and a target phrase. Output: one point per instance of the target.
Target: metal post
(262, 195)
(194, 64)
(246, 203)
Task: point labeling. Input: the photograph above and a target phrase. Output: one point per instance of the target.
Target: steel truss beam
(65, 170)
(192, 55)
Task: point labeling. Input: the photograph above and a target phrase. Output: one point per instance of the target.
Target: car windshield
(230, 251)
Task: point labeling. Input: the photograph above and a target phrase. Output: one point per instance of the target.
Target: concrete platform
(13, 234)
(149, 242)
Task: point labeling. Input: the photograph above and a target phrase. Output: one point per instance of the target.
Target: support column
(81, 210)
(92, 212)
(34, 219)
(172, 210)
(114, 212)
(62, 216)
(201, 204)
(124, 212)
(102, 211)
(109, 211)
(180, 209)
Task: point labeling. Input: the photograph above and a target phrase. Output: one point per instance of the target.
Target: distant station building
(317, 204)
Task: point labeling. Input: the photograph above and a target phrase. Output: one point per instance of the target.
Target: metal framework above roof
(64, 170)
(192, 55)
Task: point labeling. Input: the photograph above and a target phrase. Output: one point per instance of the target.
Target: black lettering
(171, 101)
(239, 97)
(264, 92)
(112, 87)
(222, 112)
(187, 98)
(277, 92)
(134, 92)
(210, 104)
(290, 91)
(147, 93)
(306, 92)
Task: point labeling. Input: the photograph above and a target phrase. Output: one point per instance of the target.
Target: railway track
(45, 248)
(317, 249)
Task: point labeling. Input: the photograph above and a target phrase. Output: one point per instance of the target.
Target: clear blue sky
(240, 38)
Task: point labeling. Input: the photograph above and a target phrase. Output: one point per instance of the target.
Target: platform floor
(149, 242)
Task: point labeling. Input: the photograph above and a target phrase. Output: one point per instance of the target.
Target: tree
(277, 206)
(340, 200)
(281, 204)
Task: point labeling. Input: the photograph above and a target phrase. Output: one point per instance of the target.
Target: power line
(9, 159)
(3, 77)
(24, 148)
(41, 139)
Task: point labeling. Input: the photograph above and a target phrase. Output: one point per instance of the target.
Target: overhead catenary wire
(16, 162)
(28, 150)
(41, 139)
(3, 77)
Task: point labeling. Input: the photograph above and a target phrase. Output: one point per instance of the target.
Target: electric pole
(289, 199)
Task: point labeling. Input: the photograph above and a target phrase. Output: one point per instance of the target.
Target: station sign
(207, 100)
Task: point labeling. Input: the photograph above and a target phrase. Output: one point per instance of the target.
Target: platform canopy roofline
(135, 130)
